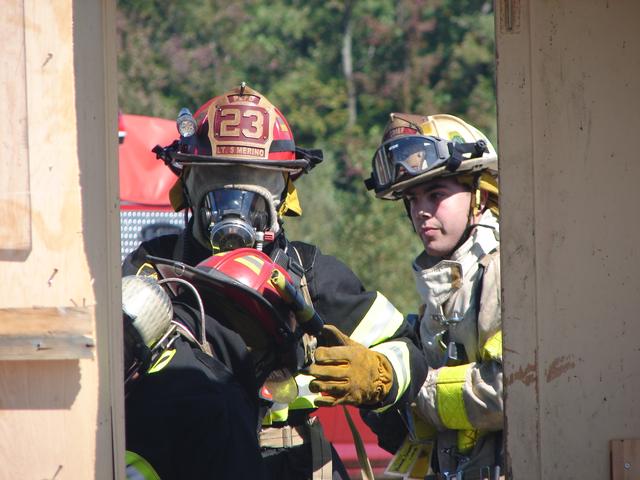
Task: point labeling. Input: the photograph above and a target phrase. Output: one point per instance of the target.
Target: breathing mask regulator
(234, 219)
(236, 206)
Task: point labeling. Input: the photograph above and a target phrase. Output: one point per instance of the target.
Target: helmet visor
(407, 156)
(231, 202)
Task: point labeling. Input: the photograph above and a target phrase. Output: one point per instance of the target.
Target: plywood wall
(59, 391)
(568, 101)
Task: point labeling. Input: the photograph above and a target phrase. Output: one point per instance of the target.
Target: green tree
(336, 69)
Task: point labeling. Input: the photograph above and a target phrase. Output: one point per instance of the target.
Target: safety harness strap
(363, 459)
(311, 432)
(320, 451)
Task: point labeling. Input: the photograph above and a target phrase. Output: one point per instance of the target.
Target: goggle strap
(458, 150)
(370, 183)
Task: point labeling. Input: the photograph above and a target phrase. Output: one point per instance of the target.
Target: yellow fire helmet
(417, 148)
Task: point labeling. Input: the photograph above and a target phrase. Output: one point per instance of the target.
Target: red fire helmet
(243, 127)
(253, 307)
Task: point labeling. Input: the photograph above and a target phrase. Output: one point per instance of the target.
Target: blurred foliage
(417, 56)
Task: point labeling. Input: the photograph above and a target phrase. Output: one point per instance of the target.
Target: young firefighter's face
(439, 211)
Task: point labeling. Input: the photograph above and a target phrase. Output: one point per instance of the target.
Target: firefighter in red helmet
(186, 376)
(237, 162)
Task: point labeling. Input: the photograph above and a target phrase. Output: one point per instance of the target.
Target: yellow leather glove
(347, 372)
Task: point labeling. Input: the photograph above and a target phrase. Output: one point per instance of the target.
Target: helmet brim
(232, 303)
(189, 159)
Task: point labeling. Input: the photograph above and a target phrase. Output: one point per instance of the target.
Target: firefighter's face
(439, 211)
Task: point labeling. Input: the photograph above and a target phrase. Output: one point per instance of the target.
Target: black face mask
(232, 218)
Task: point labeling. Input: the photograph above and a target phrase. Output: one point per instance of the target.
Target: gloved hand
(347, 372)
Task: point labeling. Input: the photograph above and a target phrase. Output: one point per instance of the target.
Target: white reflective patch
(306, 398)
(380, 323)
(398, 355)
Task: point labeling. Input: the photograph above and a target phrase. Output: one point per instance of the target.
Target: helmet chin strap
(476, 206)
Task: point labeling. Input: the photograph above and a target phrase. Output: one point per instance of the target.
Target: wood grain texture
(46, 333)
(625, 459)
(15, 203)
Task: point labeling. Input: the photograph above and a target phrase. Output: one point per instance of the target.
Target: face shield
(235, 206)
(234, 218)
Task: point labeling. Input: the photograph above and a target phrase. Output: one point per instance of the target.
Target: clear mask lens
(233, 216)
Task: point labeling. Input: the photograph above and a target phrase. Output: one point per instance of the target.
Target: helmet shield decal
(241, 125)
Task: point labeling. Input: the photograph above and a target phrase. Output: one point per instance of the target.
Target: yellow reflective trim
(450, 400)
(138, 468)
(398, 355)
(306, 398)
(253, 263)
(467, 440)
(147, 270)
(277, 413)
(162, 361)
(492, 349)
(302, 403)
(379, 324)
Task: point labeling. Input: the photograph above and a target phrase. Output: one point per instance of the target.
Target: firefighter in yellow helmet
(237, 161)
(445, 171)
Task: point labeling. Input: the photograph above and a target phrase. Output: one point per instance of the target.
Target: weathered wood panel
(46, 333)
(15, 202)
(61, 411)
(625, 459)
(568, 103)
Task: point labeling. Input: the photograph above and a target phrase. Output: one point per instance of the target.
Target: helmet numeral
(241, 122)
(229, 126)
(256, 126)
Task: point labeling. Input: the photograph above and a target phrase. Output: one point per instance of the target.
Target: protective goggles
(409, 156)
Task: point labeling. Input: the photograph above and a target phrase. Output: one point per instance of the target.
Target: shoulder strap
(304, 286)
(298, 259)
